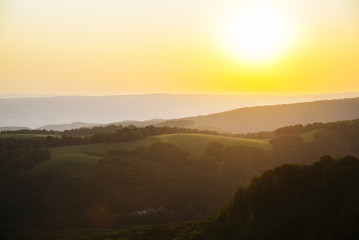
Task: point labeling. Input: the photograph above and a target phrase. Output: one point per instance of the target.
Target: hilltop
(268, 118)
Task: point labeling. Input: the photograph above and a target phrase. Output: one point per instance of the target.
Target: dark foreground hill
(268, 118)
(318, 201)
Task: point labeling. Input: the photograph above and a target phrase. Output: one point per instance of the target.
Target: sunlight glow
(258, 32)
(67, 47)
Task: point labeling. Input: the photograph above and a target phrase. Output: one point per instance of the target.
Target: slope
(79, 159)
(320, 201)
(196, 143)
(266, 118)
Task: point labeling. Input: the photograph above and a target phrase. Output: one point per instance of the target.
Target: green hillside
(79, 159)
(196, 143)
(309, 137)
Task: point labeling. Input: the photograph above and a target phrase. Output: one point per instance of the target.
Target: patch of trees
(83, 132)
(181, 123)
(305, 144)
(340, 126)
(22, 153)
(255, 135)
(320, 201)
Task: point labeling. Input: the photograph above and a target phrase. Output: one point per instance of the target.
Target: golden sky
(100, 47)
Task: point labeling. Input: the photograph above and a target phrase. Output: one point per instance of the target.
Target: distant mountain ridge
(63, 127)
(12, 128)
(42, 111)
(75, 125)
(267, 118)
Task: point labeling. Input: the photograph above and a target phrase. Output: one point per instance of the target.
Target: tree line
(22, 153)
(114, 134)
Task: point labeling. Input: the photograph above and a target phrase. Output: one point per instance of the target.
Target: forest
(317, 201)
(161, 191)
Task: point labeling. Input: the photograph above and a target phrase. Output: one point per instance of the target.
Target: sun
(258, 33)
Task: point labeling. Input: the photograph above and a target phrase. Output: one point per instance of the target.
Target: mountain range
(250, 119)
(37, 112)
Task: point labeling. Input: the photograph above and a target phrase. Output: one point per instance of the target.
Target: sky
(107, 47)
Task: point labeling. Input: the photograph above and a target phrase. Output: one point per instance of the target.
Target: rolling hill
(79, 159)
(160, 179)
(268, 118)
(196, 143)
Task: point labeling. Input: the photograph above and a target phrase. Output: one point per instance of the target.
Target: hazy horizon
(24, 95)
(35, 112)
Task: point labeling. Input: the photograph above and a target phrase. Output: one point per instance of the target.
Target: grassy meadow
(79, 159)
(196, 143)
